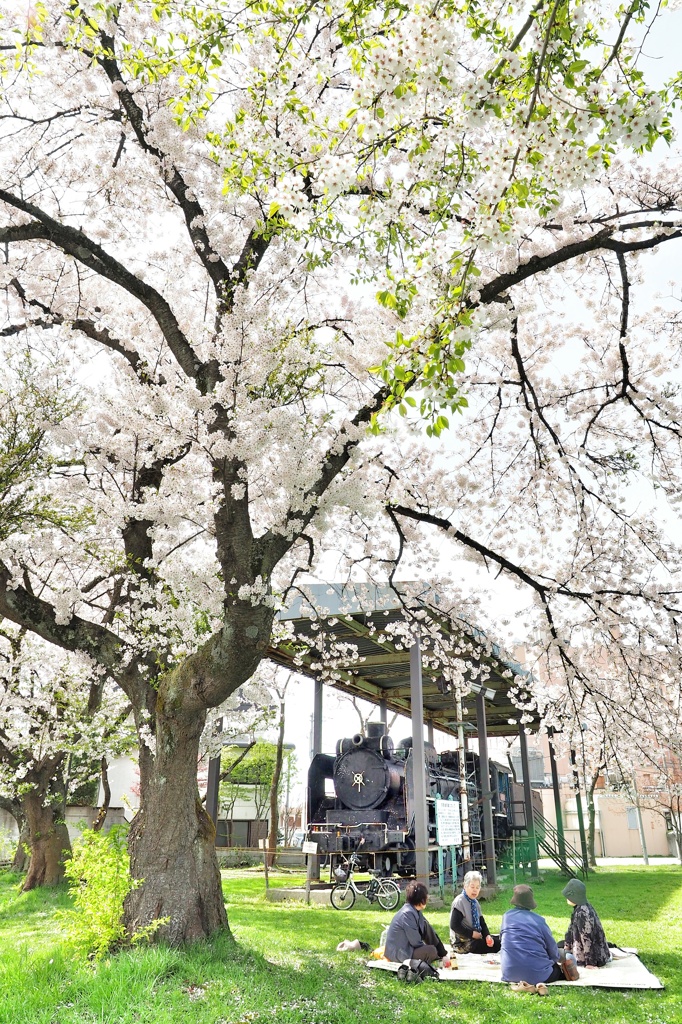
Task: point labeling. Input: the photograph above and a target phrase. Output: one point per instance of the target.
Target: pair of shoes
(523, 986)
(542, 989)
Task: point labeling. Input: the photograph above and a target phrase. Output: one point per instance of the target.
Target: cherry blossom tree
(271, 243)
(57, 720)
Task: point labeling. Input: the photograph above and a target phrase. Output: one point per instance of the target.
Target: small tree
(290, 817)
(56, 721)
(673, 815)
(278, 686)
(662, 791)
(250, 777)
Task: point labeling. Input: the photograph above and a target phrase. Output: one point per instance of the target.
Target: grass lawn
(282, 966)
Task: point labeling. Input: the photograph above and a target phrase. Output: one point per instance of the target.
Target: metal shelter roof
(362, 615)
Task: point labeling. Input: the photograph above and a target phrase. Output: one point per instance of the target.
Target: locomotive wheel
(388, 895)
(342, 896)
(407, 858)
(387, 862)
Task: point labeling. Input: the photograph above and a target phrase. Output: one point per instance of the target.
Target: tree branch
(76, 244)
(493, 290)
(271, 546)
(225, 280)
(87, 327)
(38, 616)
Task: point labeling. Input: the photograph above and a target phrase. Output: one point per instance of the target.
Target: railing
(564, 855)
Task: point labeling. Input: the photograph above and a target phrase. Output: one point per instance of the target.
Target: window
(633, 821)
(239, 833)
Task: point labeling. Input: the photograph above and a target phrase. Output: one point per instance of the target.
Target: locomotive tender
(364, 796)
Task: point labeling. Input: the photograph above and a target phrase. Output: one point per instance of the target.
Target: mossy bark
(172, 838)
(48, 840)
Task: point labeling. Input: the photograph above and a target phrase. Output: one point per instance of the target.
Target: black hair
(416, 894)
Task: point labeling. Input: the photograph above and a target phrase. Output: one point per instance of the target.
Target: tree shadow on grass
(667, 966)
(18, 906)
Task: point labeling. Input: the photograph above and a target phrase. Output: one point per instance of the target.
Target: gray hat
(523, 897)
(575, 892)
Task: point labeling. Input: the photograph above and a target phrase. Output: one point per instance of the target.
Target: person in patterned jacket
(585, 937)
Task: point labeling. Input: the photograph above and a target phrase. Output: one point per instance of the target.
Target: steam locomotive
(364, 797)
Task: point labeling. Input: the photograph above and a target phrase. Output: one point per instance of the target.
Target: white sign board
(448, 823)
(309, 847)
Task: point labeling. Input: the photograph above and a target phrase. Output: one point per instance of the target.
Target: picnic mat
(627, 971)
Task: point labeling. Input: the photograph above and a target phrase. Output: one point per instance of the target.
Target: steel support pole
(557, 802)
(528, 800)
(486, 795)
(317, 718)
(383, 712)
(579, 808)
(463, 794)
(314, 862)
(421, 832)
(429, 732)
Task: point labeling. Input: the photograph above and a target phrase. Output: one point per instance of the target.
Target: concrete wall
(124, 782)
(614, 837)
(619, 839)
(78, 817)
(9, 834)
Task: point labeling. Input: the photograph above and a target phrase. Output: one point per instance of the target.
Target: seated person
(529, 952)
(585, 938)
(410, 936)
(468, 931)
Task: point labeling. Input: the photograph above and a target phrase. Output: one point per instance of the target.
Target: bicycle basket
(339, 874)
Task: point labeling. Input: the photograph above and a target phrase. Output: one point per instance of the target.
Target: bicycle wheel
(342, 896)
(388, 895)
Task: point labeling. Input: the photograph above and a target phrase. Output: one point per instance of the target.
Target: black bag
(414, 971)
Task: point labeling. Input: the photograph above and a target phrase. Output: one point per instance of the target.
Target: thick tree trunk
(172, 838)
(48, 840)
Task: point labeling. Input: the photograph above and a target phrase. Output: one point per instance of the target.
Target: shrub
(98, 872)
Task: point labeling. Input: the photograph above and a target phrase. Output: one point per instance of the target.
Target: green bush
(98, 872)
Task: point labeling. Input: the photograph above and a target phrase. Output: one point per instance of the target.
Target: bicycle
(383, 890)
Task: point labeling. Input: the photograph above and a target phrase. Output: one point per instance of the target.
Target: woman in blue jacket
(529, 952)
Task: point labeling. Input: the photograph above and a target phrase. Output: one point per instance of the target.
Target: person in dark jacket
(468, 931)
(529, 951)
(410, 936)
(585, 937)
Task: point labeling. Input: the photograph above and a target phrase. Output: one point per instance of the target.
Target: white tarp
(627, 971)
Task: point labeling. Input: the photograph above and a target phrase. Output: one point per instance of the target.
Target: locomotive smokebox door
(363, 778)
